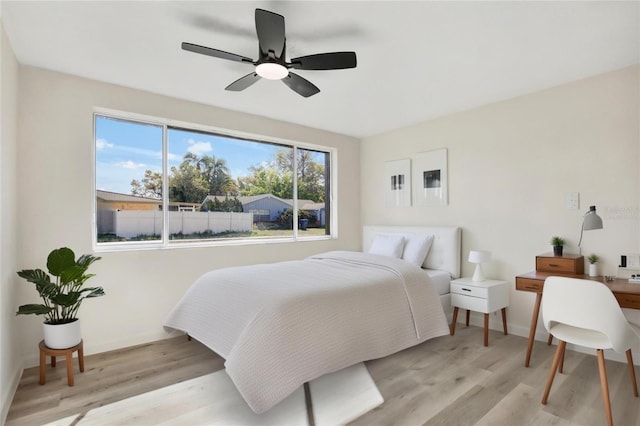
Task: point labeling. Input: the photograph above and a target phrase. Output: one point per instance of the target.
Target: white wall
(510, 164)
(55, 181)
(10, 359)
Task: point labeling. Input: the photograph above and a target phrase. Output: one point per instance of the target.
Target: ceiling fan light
(271, 71)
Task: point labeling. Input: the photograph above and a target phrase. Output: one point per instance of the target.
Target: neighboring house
(268, 207)
(108, 202)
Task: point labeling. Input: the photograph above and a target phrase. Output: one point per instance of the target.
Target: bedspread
(282, 324)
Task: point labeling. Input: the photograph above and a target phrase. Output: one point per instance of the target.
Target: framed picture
(430, 178)
(397, 183)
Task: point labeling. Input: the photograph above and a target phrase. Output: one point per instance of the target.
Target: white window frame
(165, 242)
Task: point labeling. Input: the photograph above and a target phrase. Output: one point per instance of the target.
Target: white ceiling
(416, 60)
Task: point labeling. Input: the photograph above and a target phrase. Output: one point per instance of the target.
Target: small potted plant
(558, 244)
(593, 268)
(62, 296)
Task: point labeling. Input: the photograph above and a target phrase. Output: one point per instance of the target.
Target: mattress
(440, 279)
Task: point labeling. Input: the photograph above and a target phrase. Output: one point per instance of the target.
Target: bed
(283, 324)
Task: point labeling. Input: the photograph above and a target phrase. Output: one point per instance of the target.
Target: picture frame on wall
(430, 178)
(397, 183)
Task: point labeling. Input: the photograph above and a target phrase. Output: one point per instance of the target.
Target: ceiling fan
(271, 63)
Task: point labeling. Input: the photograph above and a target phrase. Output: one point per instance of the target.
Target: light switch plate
(572, 200)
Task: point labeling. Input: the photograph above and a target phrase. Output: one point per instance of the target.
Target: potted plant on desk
(593, 267)
(62, 296)
(558, 244)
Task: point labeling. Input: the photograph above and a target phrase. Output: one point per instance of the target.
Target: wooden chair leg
(550, 339)
(467, 321)
(453, 322)
(632, 372)
(561, 367)
(552, 373)
(605, 387)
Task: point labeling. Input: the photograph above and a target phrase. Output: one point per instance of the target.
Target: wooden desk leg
(532, 331)
(43, 365)
(486, 329)
(467, 322)
(453, 322)
(504, 320)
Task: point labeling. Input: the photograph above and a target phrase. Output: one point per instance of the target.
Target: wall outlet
(572, 200)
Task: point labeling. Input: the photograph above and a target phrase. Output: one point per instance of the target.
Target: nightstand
(479, 296)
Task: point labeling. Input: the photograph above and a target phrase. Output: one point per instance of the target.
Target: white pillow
(416, 248)
(388, 245)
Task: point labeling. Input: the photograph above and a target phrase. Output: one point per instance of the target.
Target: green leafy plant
(62, 296)
(593, 258)
(557, 241)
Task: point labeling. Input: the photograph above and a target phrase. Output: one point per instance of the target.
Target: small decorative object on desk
(635, 278)
(558, 244)
(593, 267)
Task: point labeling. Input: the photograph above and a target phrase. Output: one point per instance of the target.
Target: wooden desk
(628, 296)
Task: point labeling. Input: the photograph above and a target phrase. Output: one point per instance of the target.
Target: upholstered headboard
(445, 252)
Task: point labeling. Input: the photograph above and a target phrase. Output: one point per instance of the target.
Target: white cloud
(197, 148)
(130, 165)
(102, 144)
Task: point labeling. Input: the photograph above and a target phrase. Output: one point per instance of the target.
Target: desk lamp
(590, 222)
(479, 257)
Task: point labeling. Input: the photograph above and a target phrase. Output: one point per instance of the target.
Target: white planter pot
(593, 270)
(62, 336)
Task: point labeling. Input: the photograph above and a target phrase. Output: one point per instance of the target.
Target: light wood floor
(446, 381)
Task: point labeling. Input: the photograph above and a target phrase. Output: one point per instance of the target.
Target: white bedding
(280, 325)
(441, 280)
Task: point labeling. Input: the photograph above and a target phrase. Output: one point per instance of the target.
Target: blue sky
(124, 150)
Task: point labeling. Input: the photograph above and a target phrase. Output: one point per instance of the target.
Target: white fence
(131, 223)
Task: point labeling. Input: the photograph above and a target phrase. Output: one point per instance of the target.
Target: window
(159, 184)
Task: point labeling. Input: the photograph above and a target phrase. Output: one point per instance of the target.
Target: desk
(628, 295)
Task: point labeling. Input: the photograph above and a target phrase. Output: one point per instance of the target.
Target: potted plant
(558, 244)
(62, 296)
(593, 268)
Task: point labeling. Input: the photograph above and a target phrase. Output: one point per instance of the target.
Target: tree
(266, 180)
(228, 205)
(150, 186)
(186, 184)
(216, 173)
(310, 173)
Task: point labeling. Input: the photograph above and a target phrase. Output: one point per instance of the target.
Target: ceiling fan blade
(243, 82)
(270, 30)
(300, 85)
(215, 53)
(325, 61)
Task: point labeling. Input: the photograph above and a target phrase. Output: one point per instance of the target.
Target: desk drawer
(469, 290)
(559, 264)
(631, 301)
(529, 284)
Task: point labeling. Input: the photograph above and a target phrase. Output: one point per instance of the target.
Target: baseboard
(8, 393)
(94, 346)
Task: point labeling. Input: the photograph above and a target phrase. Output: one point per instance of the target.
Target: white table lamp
(479, 257)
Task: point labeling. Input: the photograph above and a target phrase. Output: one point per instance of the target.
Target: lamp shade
(479, 257)
(592, 220)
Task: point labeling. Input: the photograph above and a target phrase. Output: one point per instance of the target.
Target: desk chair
(586, 313)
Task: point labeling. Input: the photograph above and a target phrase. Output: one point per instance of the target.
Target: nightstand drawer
(469, 290)
(475, 304)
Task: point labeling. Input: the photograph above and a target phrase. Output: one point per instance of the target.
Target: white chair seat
(580, 336)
